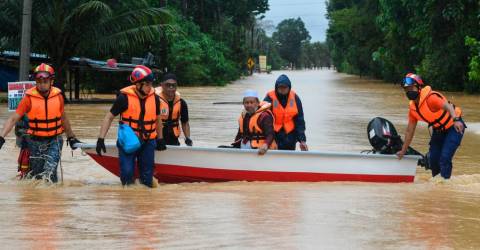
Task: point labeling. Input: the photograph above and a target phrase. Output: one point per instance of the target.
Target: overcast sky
(312, 13)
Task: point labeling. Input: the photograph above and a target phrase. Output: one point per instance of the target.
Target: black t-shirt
(168, 133)
(121, 104)
(183, 110)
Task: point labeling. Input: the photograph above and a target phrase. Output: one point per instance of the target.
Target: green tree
(441, 28)
(320, 56)
(265, 45)
(400, 51)
(230, 22)
(353, 36)
(473, 84)
(289, 36)
(387, 38)
(63, 29)
(195, 57)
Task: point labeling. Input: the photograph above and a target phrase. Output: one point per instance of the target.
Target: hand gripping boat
(195, 164)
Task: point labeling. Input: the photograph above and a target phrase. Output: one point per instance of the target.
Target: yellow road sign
(250, 63)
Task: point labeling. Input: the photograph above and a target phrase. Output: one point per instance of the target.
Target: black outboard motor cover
(385, 140)
(383, 136)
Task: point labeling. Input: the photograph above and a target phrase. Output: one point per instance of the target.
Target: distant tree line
(293, 44)
(202, 41)
(387, 38)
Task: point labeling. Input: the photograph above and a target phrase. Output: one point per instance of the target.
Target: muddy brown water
(92, 210)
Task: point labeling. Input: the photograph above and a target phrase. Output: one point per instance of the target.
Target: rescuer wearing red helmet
(139, 108)
(43, 105)
(442, 116)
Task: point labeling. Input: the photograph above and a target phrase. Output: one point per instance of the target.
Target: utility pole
(25, 44)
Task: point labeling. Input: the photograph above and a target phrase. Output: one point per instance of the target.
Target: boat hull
(196, 164)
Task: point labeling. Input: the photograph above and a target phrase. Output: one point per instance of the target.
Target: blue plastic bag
(127, 139)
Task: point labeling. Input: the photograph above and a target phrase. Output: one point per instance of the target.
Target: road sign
(262, 61)
(16, 91)
(250, 63)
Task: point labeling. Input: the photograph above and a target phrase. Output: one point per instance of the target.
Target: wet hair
(169, 76)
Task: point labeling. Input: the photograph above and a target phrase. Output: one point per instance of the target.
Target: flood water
(92, 210)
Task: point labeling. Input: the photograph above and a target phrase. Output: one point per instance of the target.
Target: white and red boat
(197, 164)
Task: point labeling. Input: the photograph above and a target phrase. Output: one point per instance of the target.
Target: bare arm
(458, 125)
(449, 107)
(7, 127)
(186, 129)
(107, 122)
(412, 125)
(410, 132)
(67, 126)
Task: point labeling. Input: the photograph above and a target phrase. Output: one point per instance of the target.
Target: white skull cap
(250, 93)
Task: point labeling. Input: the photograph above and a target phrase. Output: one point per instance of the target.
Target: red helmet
(141, 73)
(411, 79)
(44, 70)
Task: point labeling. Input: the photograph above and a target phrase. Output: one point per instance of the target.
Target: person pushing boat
(444, 117)
(139, 110)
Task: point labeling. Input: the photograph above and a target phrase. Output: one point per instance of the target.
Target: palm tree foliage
(203, 41)
(66, 28)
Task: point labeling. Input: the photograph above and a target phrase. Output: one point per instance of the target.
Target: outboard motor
(383, 136)
(384, 139)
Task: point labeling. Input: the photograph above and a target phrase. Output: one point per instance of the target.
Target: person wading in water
(445, 119)
(43, 106)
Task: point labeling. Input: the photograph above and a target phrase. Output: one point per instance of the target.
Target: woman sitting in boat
(255, 129)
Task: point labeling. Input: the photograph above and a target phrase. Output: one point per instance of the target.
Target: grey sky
(312, 13)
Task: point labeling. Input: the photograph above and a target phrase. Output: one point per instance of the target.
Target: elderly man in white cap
(255, 125)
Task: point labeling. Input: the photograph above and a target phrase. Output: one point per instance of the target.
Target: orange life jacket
(284, 117)
(439, 120)
(145, 127)
(255, 132)
(170, 118)
(45, 114)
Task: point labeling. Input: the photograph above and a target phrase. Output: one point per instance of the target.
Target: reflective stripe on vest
(255, 133)
(145, 127)
(45, 114)
(439, 120)
(284, 117)
(170, 119)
